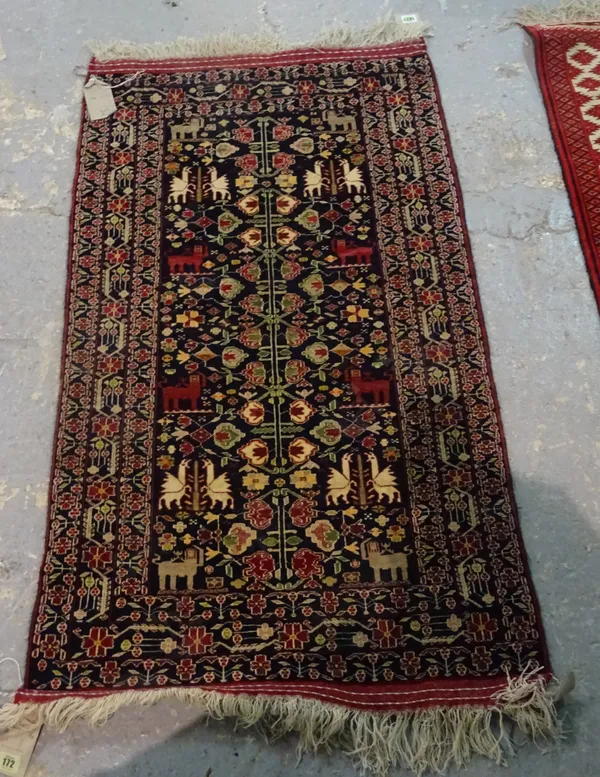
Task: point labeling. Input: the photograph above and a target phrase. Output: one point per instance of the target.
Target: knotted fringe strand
(567, 11)
(421, 740)
(386, 29)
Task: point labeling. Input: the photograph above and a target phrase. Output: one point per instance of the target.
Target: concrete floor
(542, 321)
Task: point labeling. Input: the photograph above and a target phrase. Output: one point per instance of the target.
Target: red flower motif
(97, 642)
(175, 96)
(282, 132)
(105, 427)
(186, 670)
(197, 640)
(302, 512)
(259, 566)
(282, 160)
(257, 604)
(438, 352)
(243, 134)
(260, 665)
(110, 672)
(259, 514)
(50, 646)
(306, 563)
(119, 205)
(413, 191)
(248, 162)
(293, 636)
(387, 633)
(481, 627)
(97, 557)
(239, 91)
(100, 490)
(306, 87)
(336, 666)
(329, 602)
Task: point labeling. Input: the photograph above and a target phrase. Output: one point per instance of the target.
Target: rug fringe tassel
(387, 29)
(426, 739)
(567, 11)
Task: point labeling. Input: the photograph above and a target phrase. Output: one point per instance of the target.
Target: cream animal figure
(171, 570)
(180, 187)
(371, 551)
(192, 127)
(174, 489)
(218, 489)
(383, 481)
(339, 483)
(313, 180)
(352, 178)
(337, 123)
(219, 185)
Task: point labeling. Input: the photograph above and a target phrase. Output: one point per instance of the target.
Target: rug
(567, 52)
(280, 488)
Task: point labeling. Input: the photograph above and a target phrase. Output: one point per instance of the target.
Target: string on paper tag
(99, 97)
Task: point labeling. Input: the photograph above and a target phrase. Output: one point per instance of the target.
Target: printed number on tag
(9, 763)
(410, 18)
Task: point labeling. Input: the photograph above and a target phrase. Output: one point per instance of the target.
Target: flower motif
(481, 627)
(97, 642)
(258, 513)
(293, 636)
(255, 481)
(256, 452)
(328, 432)
(303, 478)
(323, 534)
(196, 640)
(259, 567)
(300, 450)
(239, 538)
(307, 564)
(227, 435)
(356, 313)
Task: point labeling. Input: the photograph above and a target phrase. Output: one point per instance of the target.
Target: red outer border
(371, 697)
(569, 170)
(279, 58)
(374, 697)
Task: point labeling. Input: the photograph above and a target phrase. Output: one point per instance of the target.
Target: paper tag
(99, 99)
(16, 747)
(409, 18)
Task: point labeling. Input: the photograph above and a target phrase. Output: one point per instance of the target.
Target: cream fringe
(431, 738)
(388, 29)
(567, 11)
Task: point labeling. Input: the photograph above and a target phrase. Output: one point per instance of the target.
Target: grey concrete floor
(543, 327)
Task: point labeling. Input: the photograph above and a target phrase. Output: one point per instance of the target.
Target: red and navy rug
(279, 464)
(568, 66)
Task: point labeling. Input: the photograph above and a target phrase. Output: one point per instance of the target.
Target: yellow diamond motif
(342, 350)
(339, 285)
(332, 258)
(209, 264)
(218, 396)
(203, 289)
(205, 354)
